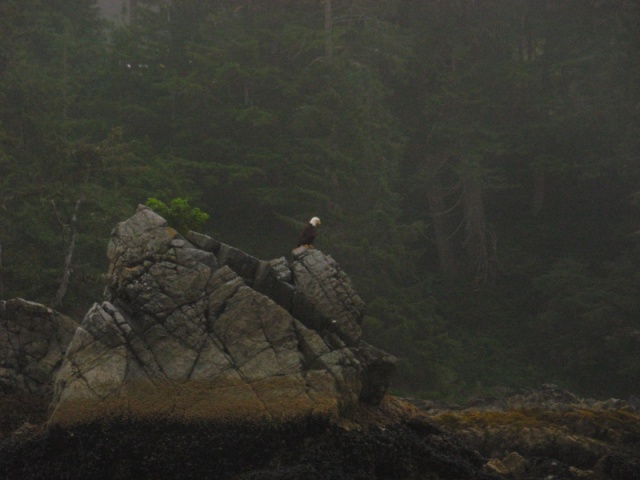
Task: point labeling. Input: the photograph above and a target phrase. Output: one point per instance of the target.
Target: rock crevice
(194, 328)
(33, 341)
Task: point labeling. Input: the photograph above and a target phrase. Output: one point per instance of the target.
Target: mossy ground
(595, 440)
(615, 427)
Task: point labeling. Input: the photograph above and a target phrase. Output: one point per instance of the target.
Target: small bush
(179, 214)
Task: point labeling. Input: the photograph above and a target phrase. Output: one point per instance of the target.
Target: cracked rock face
(33, 341)
(327, 291)
(194, 329)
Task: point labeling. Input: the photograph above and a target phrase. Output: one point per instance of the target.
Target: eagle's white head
(315, 221)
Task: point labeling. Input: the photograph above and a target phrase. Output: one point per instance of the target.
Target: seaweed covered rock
(550, 432)
(194, 329)
(303, 448)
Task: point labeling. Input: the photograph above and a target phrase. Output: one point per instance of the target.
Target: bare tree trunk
(328, 33)
(441, 230)
(68, 257)
(133, 11)
(439, 212)
(527, 50)
(479, 242)
(1, 275)
(538, 190)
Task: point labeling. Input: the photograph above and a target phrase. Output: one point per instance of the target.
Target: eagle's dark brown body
(308, 235)
(309, 232)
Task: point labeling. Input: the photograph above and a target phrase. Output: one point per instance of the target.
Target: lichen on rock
(33, 342)
(192, 328)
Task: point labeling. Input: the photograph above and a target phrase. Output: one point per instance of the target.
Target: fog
(474, 164)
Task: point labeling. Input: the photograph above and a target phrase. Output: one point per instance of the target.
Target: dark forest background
(475, 164)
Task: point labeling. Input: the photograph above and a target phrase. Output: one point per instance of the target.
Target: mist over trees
(476, 165)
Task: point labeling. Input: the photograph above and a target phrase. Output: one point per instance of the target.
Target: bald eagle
(309, 232)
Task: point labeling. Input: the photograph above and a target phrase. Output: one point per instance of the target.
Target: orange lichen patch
(617, 426)
(575, 419)
(274, 398)
(277, 398)
(132, 271)
(483, 418)
(578, 436)
(618, 418)
(281, 395)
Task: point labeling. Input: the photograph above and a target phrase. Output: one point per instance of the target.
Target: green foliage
(587, 323)
(499, 132)
(179, 214)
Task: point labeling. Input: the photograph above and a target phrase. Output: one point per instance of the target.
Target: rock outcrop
(33, 342)
(194, 333)
(550, 433)
(194, 329)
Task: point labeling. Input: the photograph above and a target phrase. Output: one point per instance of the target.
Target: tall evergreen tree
(69, 171)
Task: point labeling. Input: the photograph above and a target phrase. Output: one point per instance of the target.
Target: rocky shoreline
(380, 444)
(525, 437)
(548, 433)
(204, 362)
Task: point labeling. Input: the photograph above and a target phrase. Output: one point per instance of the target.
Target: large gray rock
(324, 295)
(33, 341)
(196, 329)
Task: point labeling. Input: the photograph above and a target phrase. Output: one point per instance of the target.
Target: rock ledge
(194, 329)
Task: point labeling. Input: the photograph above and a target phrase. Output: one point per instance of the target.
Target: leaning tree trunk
(69, 240)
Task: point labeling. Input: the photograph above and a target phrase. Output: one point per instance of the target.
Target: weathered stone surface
(513, 464)
(550, 433)
(33, 341)
(182, 334)
(327, 297)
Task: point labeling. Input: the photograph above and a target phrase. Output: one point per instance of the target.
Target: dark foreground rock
(204, 362)
(33, 342)
(311, 448)
(527, 437)
(549, 433)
